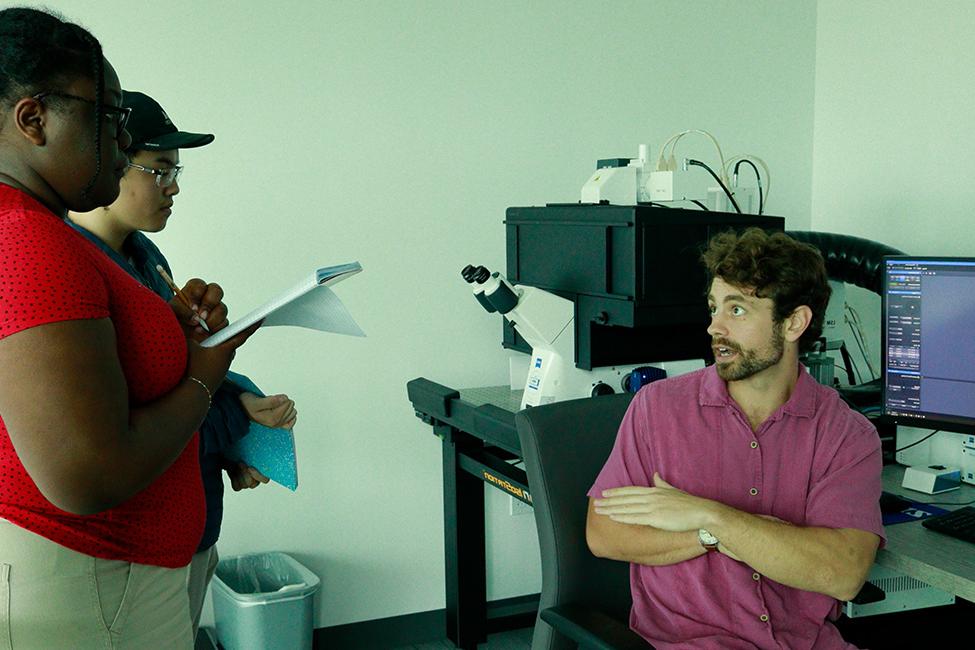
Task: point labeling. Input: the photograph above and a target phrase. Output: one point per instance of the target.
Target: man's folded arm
(638, 544)
(831, 561)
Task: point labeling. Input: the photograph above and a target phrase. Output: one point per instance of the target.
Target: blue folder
(269, 451)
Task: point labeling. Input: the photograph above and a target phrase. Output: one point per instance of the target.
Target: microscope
(602, 297)
(545, 321)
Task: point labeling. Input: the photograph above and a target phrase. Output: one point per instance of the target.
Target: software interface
(929, 318)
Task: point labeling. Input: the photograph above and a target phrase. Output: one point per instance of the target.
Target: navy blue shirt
(226, 422)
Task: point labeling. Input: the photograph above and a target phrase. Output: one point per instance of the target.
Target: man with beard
(744, 495)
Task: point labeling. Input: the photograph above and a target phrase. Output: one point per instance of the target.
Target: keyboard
(959, 523)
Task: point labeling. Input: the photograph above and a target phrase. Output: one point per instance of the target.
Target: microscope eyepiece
(475, 274)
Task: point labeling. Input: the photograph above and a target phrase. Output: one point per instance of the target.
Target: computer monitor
(928, 327)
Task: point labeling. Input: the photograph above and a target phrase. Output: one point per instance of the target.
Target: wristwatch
(708, 541)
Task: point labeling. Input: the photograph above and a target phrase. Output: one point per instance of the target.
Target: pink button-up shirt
(814, 462)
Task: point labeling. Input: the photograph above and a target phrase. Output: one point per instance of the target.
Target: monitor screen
(928, 328)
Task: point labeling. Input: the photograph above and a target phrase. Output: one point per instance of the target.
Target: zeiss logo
(538, 363)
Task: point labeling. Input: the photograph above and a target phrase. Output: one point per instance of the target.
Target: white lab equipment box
(264, 601)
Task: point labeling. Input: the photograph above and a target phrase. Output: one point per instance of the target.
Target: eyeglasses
(119, 114)
(164, 177)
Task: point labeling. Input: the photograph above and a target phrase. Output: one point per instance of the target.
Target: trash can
(263, 601)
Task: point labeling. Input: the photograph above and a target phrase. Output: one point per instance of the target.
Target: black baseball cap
(152, 130)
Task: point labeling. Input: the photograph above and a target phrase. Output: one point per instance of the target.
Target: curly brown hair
(774, 266)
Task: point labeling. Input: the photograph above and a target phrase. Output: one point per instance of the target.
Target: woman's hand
(210, 365)
(206, 304)
(244, 477)
(275, 411)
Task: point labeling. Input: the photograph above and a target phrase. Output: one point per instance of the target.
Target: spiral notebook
(310, 303)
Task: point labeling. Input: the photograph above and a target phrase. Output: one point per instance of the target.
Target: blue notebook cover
(269, 451)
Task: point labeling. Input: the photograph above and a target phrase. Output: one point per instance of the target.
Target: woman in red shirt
(102, 383)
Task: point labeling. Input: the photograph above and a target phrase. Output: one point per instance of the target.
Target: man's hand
(662, 506)
(244, 477)
(275, 411)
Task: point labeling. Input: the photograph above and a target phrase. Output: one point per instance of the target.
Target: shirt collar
(105, 248)
(141, 265)
(802, 402)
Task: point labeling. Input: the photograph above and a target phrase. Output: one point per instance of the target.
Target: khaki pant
(201, 571)
(52, 597)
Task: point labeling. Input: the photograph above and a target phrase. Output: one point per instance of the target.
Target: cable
(698, 163)
(848, 371)
(947, 503)
(897, 451)
(758, 178)
(674, 139)
(699, 204)
(858, 337)
(863, 339)
(944, 503)
(761, 163)
(856, 369)
(848, 362)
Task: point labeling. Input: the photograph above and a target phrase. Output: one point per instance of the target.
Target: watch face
(707, 539)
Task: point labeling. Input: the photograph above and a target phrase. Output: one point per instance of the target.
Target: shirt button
(763, 618)
(754, 445)
(755, 576)
(753, 491)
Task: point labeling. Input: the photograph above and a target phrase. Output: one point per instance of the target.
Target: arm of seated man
(829, 561)
(640, 544)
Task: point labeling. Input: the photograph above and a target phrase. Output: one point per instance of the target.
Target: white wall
(893, 126)
(396, 133)
(893, 129)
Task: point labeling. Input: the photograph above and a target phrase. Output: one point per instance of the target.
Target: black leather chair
(585, 600)
(849, 259)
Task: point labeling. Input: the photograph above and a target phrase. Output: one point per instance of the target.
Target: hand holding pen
(204, 301)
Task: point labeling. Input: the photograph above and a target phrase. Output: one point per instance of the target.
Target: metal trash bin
(263, 601)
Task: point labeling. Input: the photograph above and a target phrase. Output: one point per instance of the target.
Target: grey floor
(512, 640)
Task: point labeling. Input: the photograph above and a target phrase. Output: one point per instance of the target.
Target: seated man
(745, 494)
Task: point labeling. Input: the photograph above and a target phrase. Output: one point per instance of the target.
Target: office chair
(849, 259)
(585, 600)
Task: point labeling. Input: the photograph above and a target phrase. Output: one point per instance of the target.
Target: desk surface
(939, 560)
(500, 396)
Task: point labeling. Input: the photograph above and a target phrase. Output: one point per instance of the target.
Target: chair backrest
(849, 259)
(564, 446)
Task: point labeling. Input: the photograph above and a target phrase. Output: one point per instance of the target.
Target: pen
(179, 294)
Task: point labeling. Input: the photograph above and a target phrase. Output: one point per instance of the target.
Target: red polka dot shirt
(49, 273)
